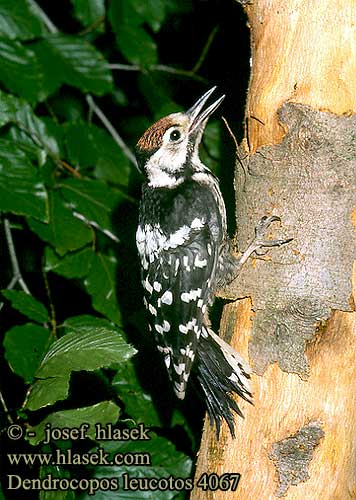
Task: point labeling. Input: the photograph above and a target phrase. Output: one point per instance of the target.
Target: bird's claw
(261, 241)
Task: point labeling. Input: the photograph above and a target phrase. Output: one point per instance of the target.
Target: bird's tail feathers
(221, 371)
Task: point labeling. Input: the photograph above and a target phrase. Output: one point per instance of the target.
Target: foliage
(72, 315)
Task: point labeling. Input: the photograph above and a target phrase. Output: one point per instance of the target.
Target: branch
(94, 224)
(16, 273)
(6, 411)
(205, 50)
(238, 150)
(124, 67)
(70, 169)
(40, 13)
(50, 301)
(100, 20)
(180, 72)
(158, 67)
(108, 125)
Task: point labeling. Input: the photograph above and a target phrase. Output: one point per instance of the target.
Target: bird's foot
(260, 241)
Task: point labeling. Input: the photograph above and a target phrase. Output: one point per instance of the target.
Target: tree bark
(297, 325)
(302, 51)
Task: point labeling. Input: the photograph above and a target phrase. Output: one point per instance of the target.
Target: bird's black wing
(178, 291)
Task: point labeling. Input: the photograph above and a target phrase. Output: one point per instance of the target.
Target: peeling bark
(293, 455)
(309, 180)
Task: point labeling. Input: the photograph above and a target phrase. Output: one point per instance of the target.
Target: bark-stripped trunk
(297, 325)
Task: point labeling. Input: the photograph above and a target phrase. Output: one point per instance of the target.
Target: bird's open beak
(197, 116)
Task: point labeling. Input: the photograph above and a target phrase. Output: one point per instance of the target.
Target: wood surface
(303, 51)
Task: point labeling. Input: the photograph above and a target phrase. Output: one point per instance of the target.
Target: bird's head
(167, 153)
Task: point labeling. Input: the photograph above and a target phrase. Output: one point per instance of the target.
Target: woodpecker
(186, 256)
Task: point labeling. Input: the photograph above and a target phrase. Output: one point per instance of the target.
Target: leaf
(152, 11)
(90, 12)
(78, 323)
(85, 349)
(72, 60)
(91, 343)
(123, 12)
(101, 413)
(89, 145)
(166, 462)
(17, 21)
(21, 189)
(131, 38)
(27, 305)
(55, 471)
(51, 67)
(23, 142)
(92, 202)
(72, 265)
(101, 285)
(20, 71)
(136, 45)
(14, 110)
(25, 346)
(63, 231)
(8, 107)
(160, 103)
(138, 403)
(93, 199)
(47, 391)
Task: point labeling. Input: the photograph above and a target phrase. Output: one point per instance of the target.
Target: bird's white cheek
(171, 159)
(164, 167)
(177, 158)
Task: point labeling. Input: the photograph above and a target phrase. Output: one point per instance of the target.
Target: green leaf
(136, 45)
(47, 391)
(131, 38)
(138, 403)
(81, 146)
(166, 461)
(160, 103)
(123, 12)
(72, 265)
(23, 142)
(89, 145)
(52, 72)
(21, 189)
(55, 471)
(74, 61)
(152, 11)
(8, 107)
(27, 305)
(85, 349)
(90, 12)
(20, 71)
(17, 111)
(91, 343)
(92, 199)
(101, 285)
(101, 413)
(63, 231)
(25, 346)
(78, 323)
(17, 20)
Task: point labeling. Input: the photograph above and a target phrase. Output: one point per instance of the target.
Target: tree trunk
(296, 326)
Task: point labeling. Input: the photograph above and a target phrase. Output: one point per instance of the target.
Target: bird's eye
(175, 135)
